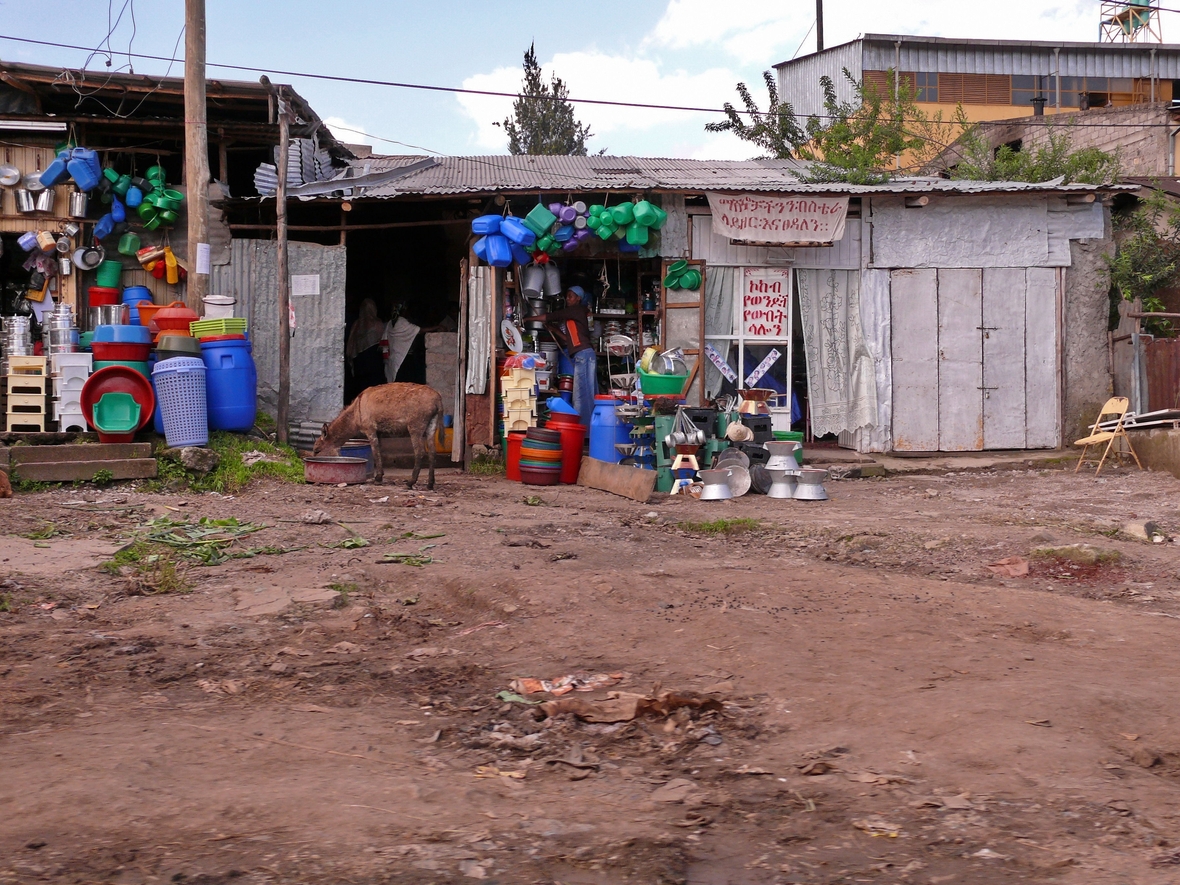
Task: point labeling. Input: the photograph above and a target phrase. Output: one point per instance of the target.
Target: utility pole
(284, 404)
(196, 154)
(819, 25)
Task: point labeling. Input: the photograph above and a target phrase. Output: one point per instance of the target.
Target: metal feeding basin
(328, 470)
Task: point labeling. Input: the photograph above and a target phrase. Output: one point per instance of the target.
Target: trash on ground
(565, 684)
(1010, 567)
(622, 706)
(876, 826)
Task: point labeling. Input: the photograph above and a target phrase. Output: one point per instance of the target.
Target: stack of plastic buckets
(180, 389)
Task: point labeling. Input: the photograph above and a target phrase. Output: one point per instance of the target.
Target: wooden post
(819, 25)
(196, 149)
(284, 274)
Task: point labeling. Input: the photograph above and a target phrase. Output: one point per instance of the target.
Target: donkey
(388, 410)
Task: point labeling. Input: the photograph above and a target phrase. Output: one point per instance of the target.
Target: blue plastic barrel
(606, 430)
(132, 295)
(231, 384)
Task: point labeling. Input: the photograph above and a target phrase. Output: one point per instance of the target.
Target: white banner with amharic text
(779, 218)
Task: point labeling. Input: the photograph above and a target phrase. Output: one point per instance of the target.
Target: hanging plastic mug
(128, 244)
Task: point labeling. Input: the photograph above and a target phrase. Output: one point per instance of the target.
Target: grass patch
(5, 602)
(345, 589)
(486, 465)
(152, 568)
(232, 473)
(47, 531)
(1080, 554)
(721, 526)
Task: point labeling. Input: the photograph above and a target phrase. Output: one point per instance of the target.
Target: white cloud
(752, 29)
(350, 133)
(615, 78)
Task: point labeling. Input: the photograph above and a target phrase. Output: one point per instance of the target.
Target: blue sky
(661, 51)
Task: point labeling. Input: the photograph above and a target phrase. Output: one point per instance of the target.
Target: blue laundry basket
(180, 390)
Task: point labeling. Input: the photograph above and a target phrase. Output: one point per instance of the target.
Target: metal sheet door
(960, 360)
(914, 307)
(1003, 334)
(1042, 421)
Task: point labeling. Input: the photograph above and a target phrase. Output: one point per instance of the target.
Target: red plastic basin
(122, 352)
(118, 379)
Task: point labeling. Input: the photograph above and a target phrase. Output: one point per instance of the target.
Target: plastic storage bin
(231, 384)
(180, 386)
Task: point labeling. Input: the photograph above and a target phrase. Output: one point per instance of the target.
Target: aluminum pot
(25, 204)
(333, 471)
(44, 200)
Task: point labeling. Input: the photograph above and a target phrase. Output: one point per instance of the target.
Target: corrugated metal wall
(317, 347)
(798, 82)
(844, 254)
(1098, 61)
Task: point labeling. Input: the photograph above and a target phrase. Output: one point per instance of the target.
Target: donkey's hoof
(377, 480)
(410, 484)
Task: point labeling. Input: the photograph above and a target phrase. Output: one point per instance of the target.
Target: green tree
(543, 120)
(974, 159)
(857, 141)
(1147, 257)
(777, 131)
(860, 141)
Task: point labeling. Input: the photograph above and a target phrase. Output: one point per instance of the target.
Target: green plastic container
(539, 220)
(116, 413)
(661, 385)
(637, 233)
(141, 367)
(109, 274)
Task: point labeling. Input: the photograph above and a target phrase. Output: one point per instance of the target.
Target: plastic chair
(1116, 405)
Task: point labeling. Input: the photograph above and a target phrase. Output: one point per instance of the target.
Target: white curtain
(841, 375)
(479, 323)
(719, 288)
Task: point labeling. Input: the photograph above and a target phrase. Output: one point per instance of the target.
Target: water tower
(1130, 21)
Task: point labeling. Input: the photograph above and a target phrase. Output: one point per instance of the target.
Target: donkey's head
(324, 445)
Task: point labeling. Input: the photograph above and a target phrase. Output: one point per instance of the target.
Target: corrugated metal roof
(530, 174)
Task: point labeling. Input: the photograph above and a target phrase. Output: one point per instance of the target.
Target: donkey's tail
(432, 432)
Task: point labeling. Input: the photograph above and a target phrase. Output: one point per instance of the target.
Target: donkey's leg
(416, 441)
(429, 442)
(375, 444)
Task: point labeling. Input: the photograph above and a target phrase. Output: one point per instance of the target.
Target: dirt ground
(884, 707)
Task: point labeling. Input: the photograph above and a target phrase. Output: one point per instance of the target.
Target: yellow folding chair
(1116, 405)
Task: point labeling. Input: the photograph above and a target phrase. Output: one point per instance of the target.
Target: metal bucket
(532, 281)
(44, 200)
(108, 315)
(78, 202)
(25, 204)
(552, 287)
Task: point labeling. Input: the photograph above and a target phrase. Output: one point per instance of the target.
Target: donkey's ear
(324, 430)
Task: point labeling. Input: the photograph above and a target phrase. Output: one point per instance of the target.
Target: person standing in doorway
(570, 326)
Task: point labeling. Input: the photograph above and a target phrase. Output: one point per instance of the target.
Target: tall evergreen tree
(543, 120)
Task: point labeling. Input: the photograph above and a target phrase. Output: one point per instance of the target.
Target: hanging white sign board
(766, 302)
(779, 218)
